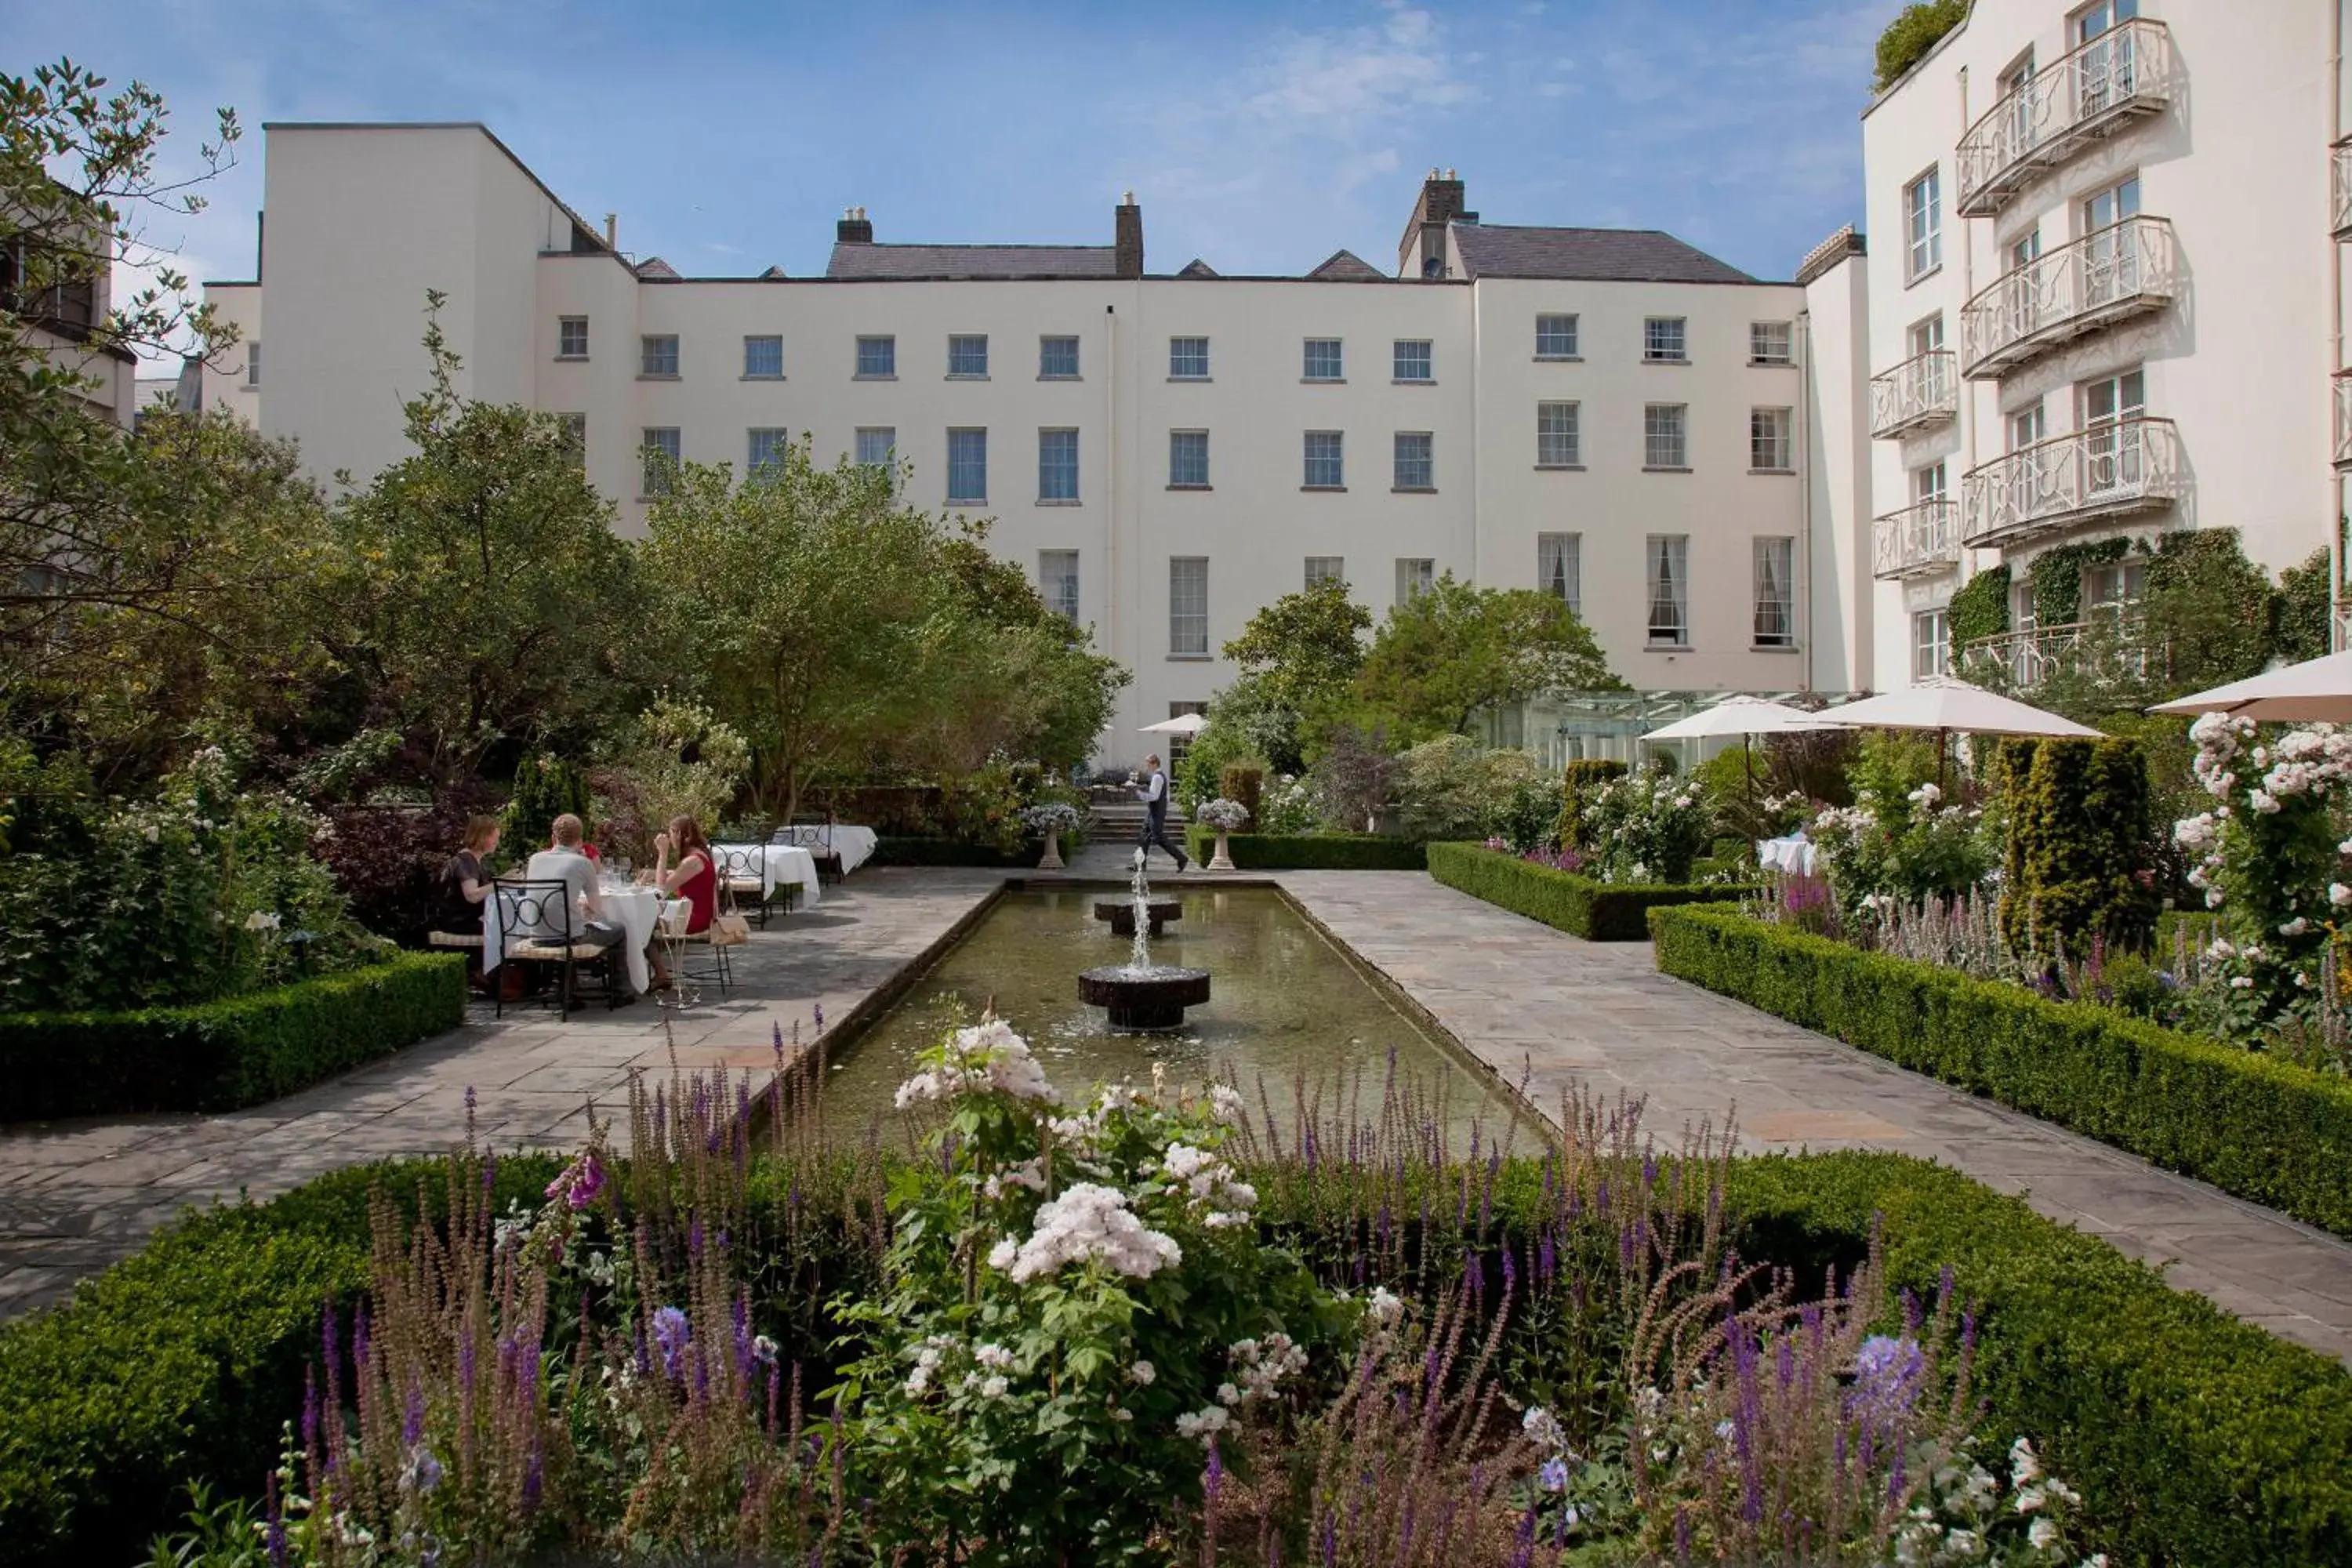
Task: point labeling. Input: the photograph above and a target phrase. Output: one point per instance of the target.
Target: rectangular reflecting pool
(1289, 1007)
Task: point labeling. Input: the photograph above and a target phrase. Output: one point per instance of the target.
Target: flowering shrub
(1908, 846)
(1287, 807)
(1647, 826)
(1222, 816)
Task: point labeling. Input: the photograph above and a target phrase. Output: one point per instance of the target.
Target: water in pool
(1286, 1007)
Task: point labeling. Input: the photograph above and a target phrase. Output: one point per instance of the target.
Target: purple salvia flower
(694, 1239)
(534, 1477)
(1943, 1283)
(1523, 1553)
(311, 1416)
(672, 1334)
(1212, 1480)
(1546, 1258)
(1682, 1535)
(1895, 1483)
(412, 1416)
(273, 1536)
(1510, 1270)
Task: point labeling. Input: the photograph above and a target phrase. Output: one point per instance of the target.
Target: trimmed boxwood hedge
(1596, 910)
(218, 1056)
(2266, 1131)
(1307, 851)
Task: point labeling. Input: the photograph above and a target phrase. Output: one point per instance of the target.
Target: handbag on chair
(730, 930)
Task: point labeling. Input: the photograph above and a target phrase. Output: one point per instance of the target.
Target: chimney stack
(1421, 252)
(853, 228)
(1127, 239)
(612, 231)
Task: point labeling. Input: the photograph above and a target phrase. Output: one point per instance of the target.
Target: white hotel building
(2090, 310)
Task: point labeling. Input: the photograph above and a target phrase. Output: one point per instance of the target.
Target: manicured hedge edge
(1307, 851)
(2252, 1125)
(1596, 910)
(956, 852)
(218, 1056)
(2199, 1440)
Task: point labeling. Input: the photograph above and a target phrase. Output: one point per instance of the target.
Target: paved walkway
(75, 1196)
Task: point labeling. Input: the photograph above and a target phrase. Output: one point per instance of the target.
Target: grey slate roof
(1600, 255)
(653, 268)
(1347, 267)
(1196, 268)
(905, 261)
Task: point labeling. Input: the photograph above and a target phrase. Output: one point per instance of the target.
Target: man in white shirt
(1152, 792)
(564, 861)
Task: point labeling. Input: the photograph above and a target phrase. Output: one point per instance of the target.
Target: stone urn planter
(1223, 860)
(1052, 860)
(1049, 822)
(1223, 817)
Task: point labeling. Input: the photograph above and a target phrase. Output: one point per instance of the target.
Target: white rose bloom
(1142, 1374)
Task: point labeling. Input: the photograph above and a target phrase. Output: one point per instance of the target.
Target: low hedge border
(2265, 1131)
(218, 1056)
(889, 851)
(1308, 851)
(1581, 906)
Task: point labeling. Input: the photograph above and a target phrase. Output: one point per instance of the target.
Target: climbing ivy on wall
(2057, 578)
(1980, 608)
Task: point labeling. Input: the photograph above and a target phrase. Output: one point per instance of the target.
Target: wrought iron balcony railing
(1923, 390)
(2106, 470)
(1917, 541)
(2111, 644)
(2344, 420)
(2087, 94)
(2339, 188)
(2109, 275)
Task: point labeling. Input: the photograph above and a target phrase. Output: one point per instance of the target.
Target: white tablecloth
(855, 845)
(777, 863)
(634, 910)
(1794, 852)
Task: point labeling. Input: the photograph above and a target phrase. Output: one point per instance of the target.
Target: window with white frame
(1187, 459)
(1326, 466)
(1188, 605)
(1928, 483)
(764, 450)
(662, 448)
(763, 357)
(1322, 569)
(1057, 359)
(1666, 560)
(571, 337)
(1665, 341)
(876, 444)
(1559, 568)
(1771, 441)
(1057, 465)
(1057, 582)
(1415, 576)
(968, 466)
(1926, 335)
(1416, 466)
(2114, 456)
(658, 355)
(1931, 644)
(878, 358)
(1413, 361)
(252, 362)
(1556, 337)
(2111, 587)
(2022, 616)
(2025, 250)
(1922, 226)
(1771, 343)
(968, 354)
(1776, 592)
(1187, 359)
(1322, 360)
(1665, 443)
(2027, 425)
(1559, 439)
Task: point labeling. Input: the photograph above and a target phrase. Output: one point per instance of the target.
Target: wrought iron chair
(721, 968)
(742, 874)
(814, 834)
(536, 924)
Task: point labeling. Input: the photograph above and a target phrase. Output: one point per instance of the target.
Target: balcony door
(2111, 260)
(2113, 459)
(2102, 71)
(2031, 477)
(2023, 111)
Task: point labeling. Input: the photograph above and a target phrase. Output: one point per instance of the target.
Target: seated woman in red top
(695, 879)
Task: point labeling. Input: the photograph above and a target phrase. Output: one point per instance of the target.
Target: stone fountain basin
(1150, 998)
(1120, 913)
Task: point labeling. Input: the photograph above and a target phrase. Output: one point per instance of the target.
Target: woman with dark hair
(695, 879)
(458, 895)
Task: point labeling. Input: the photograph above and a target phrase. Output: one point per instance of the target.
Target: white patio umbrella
(2317, 692)
(1947, 705)
(1182, 724)
(1744, 716)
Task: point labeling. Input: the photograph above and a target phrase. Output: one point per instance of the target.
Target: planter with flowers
(1223, 817)
(1050, 821)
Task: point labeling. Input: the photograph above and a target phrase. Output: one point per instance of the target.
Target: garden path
(1530, 999)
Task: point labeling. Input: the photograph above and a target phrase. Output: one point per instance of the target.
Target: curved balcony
(1922, 391)
(2344, 421)
(1918, 542)
(2108, 645)
(2109, 275)
(2340, 189)
(2089, 92)
(2109, 471)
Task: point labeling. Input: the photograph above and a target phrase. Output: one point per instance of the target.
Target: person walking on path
(1153, 794)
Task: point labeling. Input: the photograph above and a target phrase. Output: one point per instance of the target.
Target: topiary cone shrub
(1243, 781)
(1581, 779)
(2080, 845)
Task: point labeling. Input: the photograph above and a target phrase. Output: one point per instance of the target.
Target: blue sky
(1259, 136)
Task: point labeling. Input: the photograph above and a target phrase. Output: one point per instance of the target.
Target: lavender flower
(672, 1334)
(1886, 1376)
(1553, 1477)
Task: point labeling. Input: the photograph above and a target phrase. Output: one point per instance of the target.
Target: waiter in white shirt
(1152, 791)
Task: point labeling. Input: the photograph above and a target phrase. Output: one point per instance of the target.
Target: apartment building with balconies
(2104, 303)
(1612, 415)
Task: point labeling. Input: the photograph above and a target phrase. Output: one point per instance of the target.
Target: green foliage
(545, 788)
(898, 851)
(1648, 826)
(1581, 779)
(1297, 656)
(2211, 612)
(1311, 851)
(1252, 720)
(676, 760)
(1581, 906)
(1245, 781)
(1458, 648)
(1980, 608)
(2250, 1124)
(1198, 778)
(2057, 578)
(2078, 859)
(1916, 29)
(218, 1056)
(2305, 609)
(1452, 787)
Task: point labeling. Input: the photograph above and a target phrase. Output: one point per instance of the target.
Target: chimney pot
(612, 231)
(853, 228)
(1449, 174)
(1127, 233)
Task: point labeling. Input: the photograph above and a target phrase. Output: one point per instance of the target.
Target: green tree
(482, 595)
(2305, 604)
(1456, 648)
(1907, 40)
(1031, 686)
(1305, 648)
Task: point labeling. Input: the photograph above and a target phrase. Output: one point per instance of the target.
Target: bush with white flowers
(1077, 1300)
(1648, 826)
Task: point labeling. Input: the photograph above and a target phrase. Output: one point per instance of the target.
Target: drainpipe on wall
(1111, 480)
(2335, 332)
(1803, 437)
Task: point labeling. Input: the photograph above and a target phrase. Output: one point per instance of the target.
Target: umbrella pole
(1942, 744)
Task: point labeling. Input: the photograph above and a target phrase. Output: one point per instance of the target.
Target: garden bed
(2263, 1130)
(1581, 906)
(218, 1056)
(2197, 1438)
(1308, 851)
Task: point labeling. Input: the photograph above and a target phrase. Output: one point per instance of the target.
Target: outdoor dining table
(632, 909)
(788, 863)
(854, 845)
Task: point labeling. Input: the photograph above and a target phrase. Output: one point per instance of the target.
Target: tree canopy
(1456, 648)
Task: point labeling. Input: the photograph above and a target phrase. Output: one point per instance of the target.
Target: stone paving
(1525, 999)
